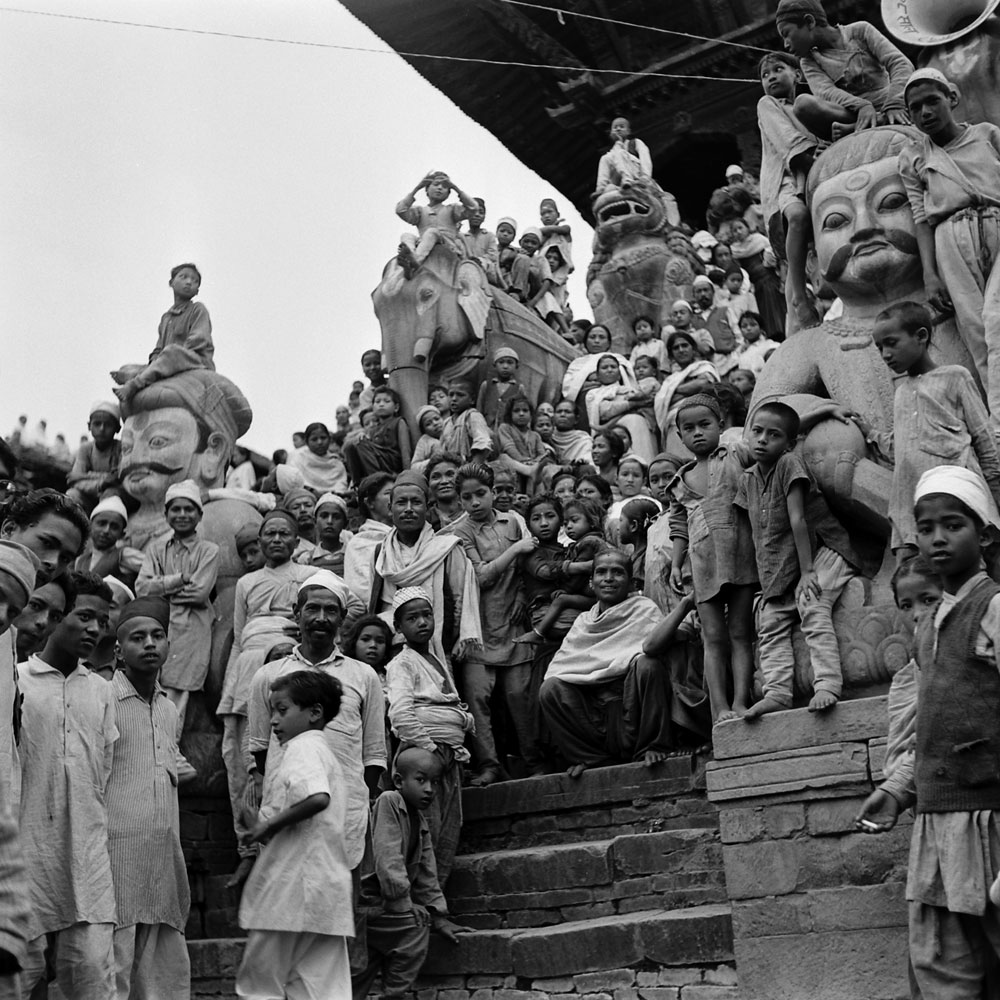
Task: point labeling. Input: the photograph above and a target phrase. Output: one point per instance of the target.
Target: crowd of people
(520, 587)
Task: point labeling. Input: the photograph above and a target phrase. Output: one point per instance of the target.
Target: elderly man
(618, 690)
(357, 734)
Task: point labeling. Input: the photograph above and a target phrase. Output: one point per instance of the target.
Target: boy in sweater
(401, 900)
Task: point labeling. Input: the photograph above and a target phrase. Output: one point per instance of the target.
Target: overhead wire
(357, 48)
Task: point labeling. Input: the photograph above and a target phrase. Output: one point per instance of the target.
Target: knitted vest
(958, 712)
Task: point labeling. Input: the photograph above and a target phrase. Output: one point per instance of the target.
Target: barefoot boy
(800, 576)
(184, 338)
(96, 464)
(436, 222)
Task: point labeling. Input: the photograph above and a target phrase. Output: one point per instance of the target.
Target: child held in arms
(183, 342)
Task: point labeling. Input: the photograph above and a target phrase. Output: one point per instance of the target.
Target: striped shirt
(147, 863)
(67, 738)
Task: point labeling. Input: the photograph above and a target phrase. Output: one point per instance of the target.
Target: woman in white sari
(619, 400)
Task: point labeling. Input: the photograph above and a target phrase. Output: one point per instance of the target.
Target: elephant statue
(641, 264)
(446, 321)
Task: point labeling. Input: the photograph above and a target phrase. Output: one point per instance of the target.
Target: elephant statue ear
(473, 296)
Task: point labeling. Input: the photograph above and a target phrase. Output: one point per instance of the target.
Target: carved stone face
(160, 447)
(864, 233)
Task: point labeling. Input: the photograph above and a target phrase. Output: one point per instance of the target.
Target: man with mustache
(357, 734)
(867, 253)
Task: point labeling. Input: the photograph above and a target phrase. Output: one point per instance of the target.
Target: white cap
(733, 169)
(106, 406)
(703, 239)
(328, 580)
(111, 505)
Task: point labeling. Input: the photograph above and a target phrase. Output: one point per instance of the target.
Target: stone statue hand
(878, 814)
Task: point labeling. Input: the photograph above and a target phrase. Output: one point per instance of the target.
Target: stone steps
(694, 936)
(552, 884)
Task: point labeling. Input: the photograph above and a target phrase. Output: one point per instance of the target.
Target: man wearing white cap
(97, 461)
(103, 554)
(183, 568)
(357, 734)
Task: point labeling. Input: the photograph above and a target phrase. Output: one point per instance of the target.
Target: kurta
(424, 706)
(302, 880)
(261, 613)
(720, 544)
(939, 418)
(184, 339)
(10, 761)
(94, 465)
(67, 742)
(192, 614)
(356, 736)
(147, 863)
(378, 450)
(782, 138)
(953, 855)
(501, 594)
(466, 433)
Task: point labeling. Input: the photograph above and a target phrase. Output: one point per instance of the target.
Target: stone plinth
(818, 910)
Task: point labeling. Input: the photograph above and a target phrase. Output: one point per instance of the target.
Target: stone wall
(818, 910)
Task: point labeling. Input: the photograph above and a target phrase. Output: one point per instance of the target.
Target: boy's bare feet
(487, 776)
(119, 377)
(727, 715)
(406, 259)
(822, 700)
(763, 707)
(532, 637)
(242, 873)
(124, 392)
(839, 129)
(575, 770)
(651, 757)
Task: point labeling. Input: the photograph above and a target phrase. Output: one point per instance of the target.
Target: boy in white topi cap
(183, 568)
(96, 465)
(953, 776)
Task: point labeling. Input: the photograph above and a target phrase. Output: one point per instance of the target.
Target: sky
(276, 168)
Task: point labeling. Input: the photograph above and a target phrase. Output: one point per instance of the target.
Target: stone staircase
(609, 887)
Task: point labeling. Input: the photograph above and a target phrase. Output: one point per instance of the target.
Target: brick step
(214, 962)
(695, 936)
(552, 884)
(602, 803)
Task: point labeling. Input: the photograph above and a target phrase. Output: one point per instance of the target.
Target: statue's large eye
(835, 220)
(892, 201)
(426, 294)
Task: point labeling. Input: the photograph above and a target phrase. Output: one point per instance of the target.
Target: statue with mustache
(866, 250)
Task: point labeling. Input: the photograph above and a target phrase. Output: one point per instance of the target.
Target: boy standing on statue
(436, 222)
(952, 178)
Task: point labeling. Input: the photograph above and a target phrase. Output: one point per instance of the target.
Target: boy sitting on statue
(183, 342)
(436, 222)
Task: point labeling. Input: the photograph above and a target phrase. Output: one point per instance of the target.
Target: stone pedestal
(818, 910)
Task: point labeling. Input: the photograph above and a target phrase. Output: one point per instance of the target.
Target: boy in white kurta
(297, 903)
(183, 568)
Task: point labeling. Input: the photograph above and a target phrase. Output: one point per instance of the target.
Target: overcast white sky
(276, 168)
